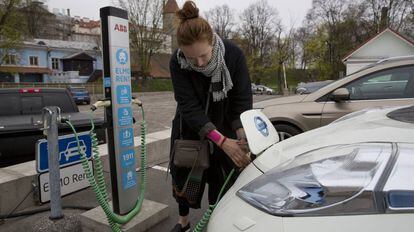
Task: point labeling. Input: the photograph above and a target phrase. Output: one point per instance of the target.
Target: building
(169, 28)
(52, 61)
(387, 43)
(86, 30)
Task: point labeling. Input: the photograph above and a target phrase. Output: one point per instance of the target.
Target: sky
(292, 12)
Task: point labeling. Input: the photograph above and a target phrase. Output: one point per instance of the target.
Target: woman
(205, 62)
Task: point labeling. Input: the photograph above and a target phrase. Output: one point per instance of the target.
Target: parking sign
(68, 151)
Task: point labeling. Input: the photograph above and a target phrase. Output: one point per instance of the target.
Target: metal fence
(93, 88)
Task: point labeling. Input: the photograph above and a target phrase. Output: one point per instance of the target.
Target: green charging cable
(206, 217)
(98, 184)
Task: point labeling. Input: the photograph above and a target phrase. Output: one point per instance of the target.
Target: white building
(387, 43)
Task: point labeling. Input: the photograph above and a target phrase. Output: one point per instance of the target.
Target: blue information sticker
(124, 116)
(129, 178)
(128, 158)
(123, 94)
(126, 137)
(107, 82)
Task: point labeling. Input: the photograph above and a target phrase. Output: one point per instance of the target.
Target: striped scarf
(216, 69)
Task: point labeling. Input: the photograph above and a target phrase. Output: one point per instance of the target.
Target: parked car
(387, 83)
(80, 95)
(255, 90)
(262, 89)
(21, 120)
(310, 87)
(352, 175)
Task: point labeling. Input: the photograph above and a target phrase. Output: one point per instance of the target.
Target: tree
(259, 25)
(222, 20)
(396, 13)
(146, 35)
(10, 36)
(284, 50)
(40, 23)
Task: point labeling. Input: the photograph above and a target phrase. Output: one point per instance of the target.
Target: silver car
(386, 83)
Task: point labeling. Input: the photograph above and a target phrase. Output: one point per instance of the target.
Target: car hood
(279, 101)
(361, 126)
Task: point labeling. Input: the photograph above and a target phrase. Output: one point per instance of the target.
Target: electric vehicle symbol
(124, 91)
(72, 150)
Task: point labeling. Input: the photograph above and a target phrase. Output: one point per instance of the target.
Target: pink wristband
(214, 136)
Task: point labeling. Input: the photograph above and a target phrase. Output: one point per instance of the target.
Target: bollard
(52, 116)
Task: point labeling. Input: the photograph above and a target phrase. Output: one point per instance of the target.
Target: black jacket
(190, 92)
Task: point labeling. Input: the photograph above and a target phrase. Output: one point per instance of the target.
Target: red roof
(19, 69)
(90, 24)
(375, 36)
(171, 7)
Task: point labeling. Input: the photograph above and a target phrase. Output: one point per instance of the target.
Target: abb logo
(120, 28)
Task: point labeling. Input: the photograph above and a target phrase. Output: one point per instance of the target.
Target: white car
(355, 174)
(264, 89)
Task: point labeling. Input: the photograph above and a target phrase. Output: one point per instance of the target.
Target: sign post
(53, 148)
(117, 89)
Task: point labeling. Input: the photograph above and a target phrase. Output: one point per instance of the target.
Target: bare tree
(222, 20)
(146, 35)
(397, 13)
(285, 50)
(259, 25)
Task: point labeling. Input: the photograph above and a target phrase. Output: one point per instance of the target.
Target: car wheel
(286, 131)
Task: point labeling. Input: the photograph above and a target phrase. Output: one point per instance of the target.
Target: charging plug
(101, 103)
(136, 101)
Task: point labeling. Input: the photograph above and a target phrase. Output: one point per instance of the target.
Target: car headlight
(328, 181)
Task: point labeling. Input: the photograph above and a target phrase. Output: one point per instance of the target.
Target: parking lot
(159, 110)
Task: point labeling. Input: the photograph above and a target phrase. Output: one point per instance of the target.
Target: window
(9, 104)
(388, 84)
(10, 59)
(60, 99)
(32, 105)
(33, 60)
(55, 63)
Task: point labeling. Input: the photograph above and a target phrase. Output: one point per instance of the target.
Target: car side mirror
(340, 94)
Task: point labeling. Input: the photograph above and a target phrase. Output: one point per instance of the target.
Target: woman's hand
(235, 152)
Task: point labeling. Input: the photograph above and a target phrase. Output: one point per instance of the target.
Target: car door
(391, 87)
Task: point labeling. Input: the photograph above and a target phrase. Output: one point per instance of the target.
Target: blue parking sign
(68, 151)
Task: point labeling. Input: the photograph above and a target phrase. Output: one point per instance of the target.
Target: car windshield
(78, 89)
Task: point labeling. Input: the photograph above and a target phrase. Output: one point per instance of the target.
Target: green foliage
(10, 36)
(153, 85)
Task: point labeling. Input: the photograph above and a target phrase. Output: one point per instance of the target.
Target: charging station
(117, 89)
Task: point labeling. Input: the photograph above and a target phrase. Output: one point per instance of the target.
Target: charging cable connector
(136, 101)
(101, 103)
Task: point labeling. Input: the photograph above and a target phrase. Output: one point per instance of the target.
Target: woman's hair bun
(189, 11)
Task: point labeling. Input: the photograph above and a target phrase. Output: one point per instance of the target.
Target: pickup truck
(21, 120)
